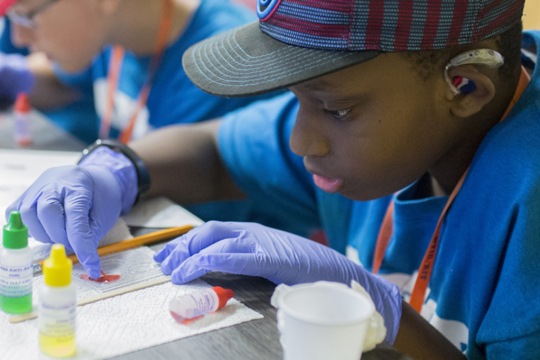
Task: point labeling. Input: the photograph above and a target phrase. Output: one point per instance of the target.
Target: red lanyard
(426, 267)
(114, 74)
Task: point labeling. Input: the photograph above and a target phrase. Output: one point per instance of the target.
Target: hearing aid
(483, 57)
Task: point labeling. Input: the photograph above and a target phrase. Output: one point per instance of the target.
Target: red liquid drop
(103, 278)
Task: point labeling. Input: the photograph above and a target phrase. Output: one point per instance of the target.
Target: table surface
(256, 339)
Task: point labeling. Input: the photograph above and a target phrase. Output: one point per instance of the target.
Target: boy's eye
(339, 114)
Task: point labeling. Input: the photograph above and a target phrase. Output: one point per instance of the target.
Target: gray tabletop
(45, 135)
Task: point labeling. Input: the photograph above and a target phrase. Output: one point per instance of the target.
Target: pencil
(146, 239)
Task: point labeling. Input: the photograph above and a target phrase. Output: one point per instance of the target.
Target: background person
(145, 87)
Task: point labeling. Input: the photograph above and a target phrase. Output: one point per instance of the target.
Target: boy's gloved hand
(281, 257)
(77, 205)
(15, 76)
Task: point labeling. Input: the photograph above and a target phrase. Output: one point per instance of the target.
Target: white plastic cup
(322, 320)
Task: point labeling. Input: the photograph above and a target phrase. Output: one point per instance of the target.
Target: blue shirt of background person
(172, 99)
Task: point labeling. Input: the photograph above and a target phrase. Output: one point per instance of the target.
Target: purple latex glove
(15, 76)
(255, 250)
(77, 205)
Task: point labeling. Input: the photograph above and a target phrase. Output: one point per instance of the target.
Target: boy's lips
(327, 184)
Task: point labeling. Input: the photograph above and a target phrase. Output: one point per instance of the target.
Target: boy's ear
(481, 90)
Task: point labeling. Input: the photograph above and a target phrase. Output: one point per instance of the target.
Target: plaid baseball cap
(298, 40)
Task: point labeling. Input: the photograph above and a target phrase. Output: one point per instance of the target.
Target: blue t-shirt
(484, 288)
(173, 97)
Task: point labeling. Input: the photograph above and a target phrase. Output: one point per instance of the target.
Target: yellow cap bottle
(57, 305)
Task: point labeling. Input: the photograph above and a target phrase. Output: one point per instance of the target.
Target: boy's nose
(307, 139)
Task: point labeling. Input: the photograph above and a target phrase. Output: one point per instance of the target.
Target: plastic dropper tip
(15, 234)
(58, 253)
(57, 267)
(15, 220)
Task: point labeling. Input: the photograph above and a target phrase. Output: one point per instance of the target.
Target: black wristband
(143, 176)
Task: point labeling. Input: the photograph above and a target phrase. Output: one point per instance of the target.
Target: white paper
(133, 266)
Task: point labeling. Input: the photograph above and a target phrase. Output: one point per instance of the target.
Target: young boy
(418, 126)
(122, 54)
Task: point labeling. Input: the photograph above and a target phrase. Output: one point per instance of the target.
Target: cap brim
(246, 61)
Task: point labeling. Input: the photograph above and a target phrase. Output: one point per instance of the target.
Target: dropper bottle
(22, 109)
(57, 305)
(188, 307)
(15, 267)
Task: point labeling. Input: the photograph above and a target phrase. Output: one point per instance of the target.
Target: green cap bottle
(16, 270)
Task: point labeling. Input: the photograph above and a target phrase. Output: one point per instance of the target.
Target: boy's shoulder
(508, 159)
(518, 136)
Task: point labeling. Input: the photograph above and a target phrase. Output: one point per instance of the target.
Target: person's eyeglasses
(27, 19)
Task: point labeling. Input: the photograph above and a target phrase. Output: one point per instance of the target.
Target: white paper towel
(124, 324)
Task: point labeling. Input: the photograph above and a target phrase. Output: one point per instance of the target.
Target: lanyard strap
(426, 267)
(112, 85)
(385, 233)
(114, 74)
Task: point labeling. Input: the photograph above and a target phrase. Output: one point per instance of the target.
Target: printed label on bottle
(22, 131)
(57, 320)
(15, 281)
(204, 303)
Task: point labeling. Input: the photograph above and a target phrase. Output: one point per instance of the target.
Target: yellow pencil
(146, 239)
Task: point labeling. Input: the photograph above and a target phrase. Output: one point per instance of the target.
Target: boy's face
(371, 129)
(69, 32)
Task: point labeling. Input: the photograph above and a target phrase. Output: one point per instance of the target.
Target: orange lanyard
(426, 267)
(114, 74)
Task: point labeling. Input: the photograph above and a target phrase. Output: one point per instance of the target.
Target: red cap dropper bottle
(190, 306)
(22, 108)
